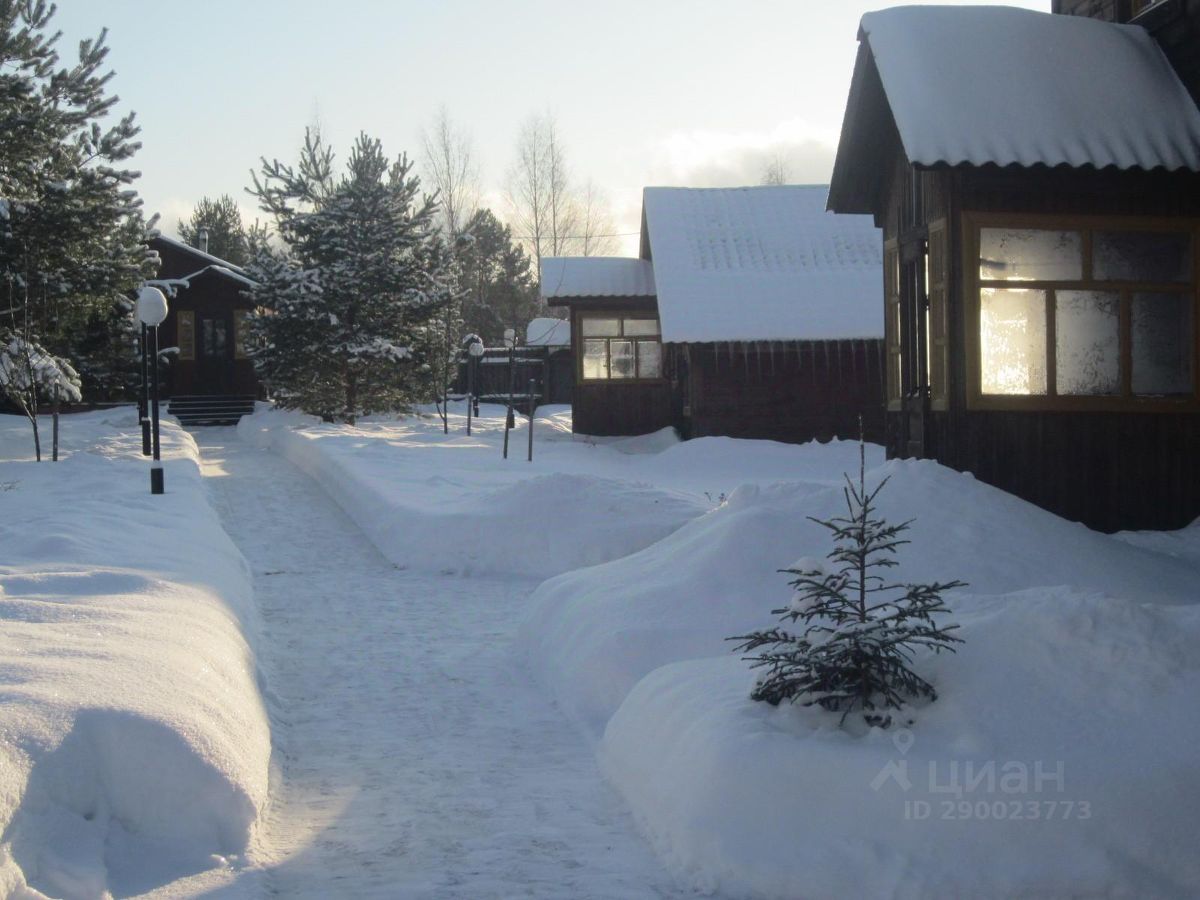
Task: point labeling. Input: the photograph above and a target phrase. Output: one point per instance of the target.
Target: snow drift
(1077, 663)
(133, 742)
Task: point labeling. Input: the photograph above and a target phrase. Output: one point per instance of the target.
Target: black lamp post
(474, 350)
(152, 310)
(144, 394)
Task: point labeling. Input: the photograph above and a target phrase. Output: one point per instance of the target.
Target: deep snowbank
(1076, 656)
(452, 504)
(133, 742)
(595, 632)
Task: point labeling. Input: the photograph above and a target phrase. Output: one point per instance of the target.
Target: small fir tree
(858, 631)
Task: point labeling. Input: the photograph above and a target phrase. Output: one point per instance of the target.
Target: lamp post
(474, 351)
(510, 340)
(144, 394)
(151, 311)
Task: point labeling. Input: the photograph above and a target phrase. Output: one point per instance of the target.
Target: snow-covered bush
(28, 373)
(860, 631)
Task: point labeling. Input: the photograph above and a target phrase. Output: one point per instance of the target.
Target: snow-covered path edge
(134, 744)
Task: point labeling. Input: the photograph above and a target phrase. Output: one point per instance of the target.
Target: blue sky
(652, 92)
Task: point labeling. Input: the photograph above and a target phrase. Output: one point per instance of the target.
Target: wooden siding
(613, 408)
(792, 391)
(209, 295)
(1111, 471)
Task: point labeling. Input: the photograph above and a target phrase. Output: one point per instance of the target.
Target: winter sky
(677, 92)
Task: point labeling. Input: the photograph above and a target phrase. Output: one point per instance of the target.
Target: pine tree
(72, 239)
(228, 238)
(29, 374)
(499, 289)
(349, 304)
(859, 632)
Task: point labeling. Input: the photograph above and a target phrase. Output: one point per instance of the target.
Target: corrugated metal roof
(762, 263)
(1000, 85)
(565, 277)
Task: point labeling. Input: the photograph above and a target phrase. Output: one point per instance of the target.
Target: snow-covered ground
(415, 757)
(1059, 759)
(133, 741)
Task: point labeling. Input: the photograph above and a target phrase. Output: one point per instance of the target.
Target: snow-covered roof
(213, 261)
(761, 263)
(546, 332)
(1008, 86)
(596, 276)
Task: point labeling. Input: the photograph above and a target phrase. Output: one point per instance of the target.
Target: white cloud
(707, 158)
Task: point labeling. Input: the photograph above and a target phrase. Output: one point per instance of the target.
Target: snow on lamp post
(510, 341)
(152, 311)
(474, 351)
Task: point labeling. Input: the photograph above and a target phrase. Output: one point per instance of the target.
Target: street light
(474, 351)
(510, 341)
(151, 311)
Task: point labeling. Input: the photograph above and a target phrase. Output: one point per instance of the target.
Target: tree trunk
(37, 439)
(54, 451)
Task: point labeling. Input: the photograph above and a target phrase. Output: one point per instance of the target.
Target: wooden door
(214, 361)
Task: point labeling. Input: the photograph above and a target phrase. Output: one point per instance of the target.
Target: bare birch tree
(449, 162)
(595, 223)
(545, 214)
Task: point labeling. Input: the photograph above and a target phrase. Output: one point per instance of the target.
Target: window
(185, 320)
(1100, 314)
(621, 347)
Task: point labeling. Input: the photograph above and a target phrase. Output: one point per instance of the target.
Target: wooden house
(750, 312)
(1037, 180)
(210, 378)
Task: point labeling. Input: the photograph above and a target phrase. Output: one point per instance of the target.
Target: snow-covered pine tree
(348, 305)
(857, 632)
(72, 239)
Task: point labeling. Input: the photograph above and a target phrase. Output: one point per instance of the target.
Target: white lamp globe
(475, 348)
(151, 306)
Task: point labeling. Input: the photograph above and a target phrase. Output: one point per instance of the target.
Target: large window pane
(1087, 329)
(1154, 256)
(1162, 343)
(595, 359)
(594, 327)
(1012, 341)
(1027, 254)
(622, 359)
(649, 359)
(636, 327)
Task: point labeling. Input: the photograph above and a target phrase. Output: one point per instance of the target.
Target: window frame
(1126, 401)
(620, 316)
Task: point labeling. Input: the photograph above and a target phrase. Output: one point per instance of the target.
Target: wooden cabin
(1037, 181)
(750, 312)
(211, 379)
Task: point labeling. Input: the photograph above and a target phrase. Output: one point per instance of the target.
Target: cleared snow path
(413, 757)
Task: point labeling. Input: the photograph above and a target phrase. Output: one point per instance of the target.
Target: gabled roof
(565, 277)
(760, 264)
(205, 262)
(1006, 86)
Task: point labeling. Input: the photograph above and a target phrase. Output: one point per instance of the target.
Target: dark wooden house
(750, 312)
(210, 378)
(1037, 180)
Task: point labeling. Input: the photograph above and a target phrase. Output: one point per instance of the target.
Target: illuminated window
(1104, 312)
(620, 347)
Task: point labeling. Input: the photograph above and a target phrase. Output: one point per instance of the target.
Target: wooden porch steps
(211, 409)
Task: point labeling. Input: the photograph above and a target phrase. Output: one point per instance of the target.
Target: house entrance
(214, 362)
